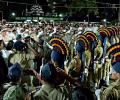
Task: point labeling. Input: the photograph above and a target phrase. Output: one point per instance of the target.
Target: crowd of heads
(60, 42)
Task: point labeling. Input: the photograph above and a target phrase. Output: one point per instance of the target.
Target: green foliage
(89, 5)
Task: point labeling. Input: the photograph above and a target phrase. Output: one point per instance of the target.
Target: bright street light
(13, 14)
(60, 15)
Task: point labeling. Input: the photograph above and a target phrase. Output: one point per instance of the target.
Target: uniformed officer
(50, 89)
(15, 91)
(74, 68)
(59, 52)
(98, 53)
(112, 92)
(106, 69)
(24, 58)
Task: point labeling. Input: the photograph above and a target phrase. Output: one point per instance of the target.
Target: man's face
(114, 75)
(55, 63)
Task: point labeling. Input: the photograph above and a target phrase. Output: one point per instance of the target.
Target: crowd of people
(59, 61)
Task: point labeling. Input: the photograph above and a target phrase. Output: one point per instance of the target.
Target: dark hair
(20, 46)
(9, 46)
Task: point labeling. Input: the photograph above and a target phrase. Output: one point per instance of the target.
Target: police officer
(50, 89)
(24, 58)
(15, 90)
(74, 68)
(112, 92)
(98, 54)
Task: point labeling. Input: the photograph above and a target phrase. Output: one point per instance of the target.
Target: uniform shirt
(74, 67)
(112, 92)
(87, 57)
(15, 92)
(24, 59)
(107, 67)
(26, 62)
(108, 44)
(98, 52)
(50, 92)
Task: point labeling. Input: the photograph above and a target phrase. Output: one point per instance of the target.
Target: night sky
(20, 9)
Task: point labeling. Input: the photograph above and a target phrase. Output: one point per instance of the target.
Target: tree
(87, 5)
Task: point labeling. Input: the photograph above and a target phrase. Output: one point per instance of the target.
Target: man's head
(15, 72)
(80, 47)
(48, 73)
(57, 59)
(19, 46)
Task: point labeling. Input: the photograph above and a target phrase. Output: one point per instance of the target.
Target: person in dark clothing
(3, 70)
(3, 66)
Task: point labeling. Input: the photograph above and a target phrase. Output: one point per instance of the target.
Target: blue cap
(116, 67)
(59, 58)
(15, 72)
(80, 47)
(48, 72)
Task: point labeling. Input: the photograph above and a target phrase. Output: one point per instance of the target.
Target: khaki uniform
(87, 55)
(98, 52)
(106, 69)
(50, 92)
(24, 59)
(74, 67)
(14, 92)
(34, 36)
(98, 72)
(108, 44)
(112, 92)
(26, 62)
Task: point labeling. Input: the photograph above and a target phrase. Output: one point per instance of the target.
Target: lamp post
(88, 18)
(13, 15)
(105, 22)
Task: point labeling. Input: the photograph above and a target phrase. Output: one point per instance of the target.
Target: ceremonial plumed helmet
(60, 51)
(114, 51)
